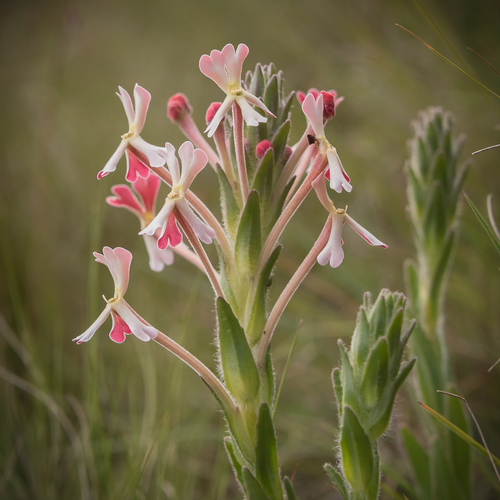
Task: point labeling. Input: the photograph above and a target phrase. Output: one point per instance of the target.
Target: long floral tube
(304, 162)
(290, 289)
(202, 370)
(318, 166)
(299, 150)
(193, 239)
(195, 202)
(240, 151)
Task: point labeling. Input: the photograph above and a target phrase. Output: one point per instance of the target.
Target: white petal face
(113, 161)
(366, 235)
(219, 115)
(252, 118)
(157, 258)
(127, 105)
(89, 332)
(257, 102)
(160, 221)
(204, 232)
(142, 98)
(152, 153)
(212, 66)
(337, 178)
(313, 109)
(333, 252)
(139, 329)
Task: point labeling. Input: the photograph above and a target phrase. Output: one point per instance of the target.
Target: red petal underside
(327, 174)
(172, 233)
(148, 189)
(124, 198)
(135, 168)
(119, 330)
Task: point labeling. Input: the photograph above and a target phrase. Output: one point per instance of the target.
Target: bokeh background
(130, 421)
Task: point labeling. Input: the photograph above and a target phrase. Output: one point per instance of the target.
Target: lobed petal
(124, 197)
(233, 61)
(333, 251)
(118, 329)
(257, 102)
(136, 326)
(157, 258)
(142, 98)
(203, 231)
(135, 167)
(212, 66)
(221, 112)
(252, 118)
(147, 189)
(171, 235)
(113, 161)
(152, 153)
(127, 104)
(366, 235)
(338, 177)
(160, 221)
(313, 109)
(197, 162)
(89, 332)
(172, 163)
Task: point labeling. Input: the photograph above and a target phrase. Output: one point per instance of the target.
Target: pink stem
(220, 142)
(299, 172)
(200, 251)
(318, 166)
(240, 151)
(290, 289)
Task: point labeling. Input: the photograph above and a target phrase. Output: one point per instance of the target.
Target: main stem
(290, 289)
(240, 151)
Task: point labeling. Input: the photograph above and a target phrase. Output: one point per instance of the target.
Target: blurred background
(130, 421)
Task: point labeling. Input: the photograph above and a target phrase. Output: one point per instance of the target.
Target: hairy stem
(240, 151)
(290, 289)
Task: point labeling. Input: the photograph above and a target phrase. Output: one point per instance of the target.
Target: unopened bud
(262, 148)
(328, 104)
(177, 107)
(287, 154)
(211, 111)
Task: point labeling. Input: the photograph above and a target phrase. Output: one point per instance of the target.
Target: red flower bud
(211, 111)
(262, 148)
(330, 100)
(177, 107)
(288, 153)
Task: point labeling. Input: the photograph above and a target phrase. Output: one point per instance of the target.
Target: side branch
(290, 289)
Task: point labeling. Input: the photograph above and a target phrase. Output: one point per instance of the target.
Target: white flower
(193, 161)
(313, 109)
(224, 68)
(125, 319)
(136, 118)
(333, 252)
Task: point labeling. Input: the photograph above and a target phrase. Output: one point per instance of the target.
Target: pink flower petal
(233, 61)
(157, 258)
(160, 221)
(313, 109)
(142, 98)
(118, 262)
(89, 332)
(119, 329)
(135, 167)
(148, 188)
(333, 252)
(193, 161)
(127, 104)
(173, 164)
(252, 118)
(171, 235)
(203, 231)
(113, 161)
(219, 116)
(257, 102)
(124, 197)
(131, 318)
(366, 235)
(212, 66)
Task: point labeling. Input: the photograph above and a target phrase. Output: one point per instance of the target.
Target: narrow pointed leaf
(337, 480)
(271, 95)
(480, 218)
(357, 454)
(248, 239)
(267, 467)
(238, 365)
(360, 345)
(290, 492)
(394, 331)
(279, 143)
(420, 463)
(375, 374)
(233, 460)
(337, 387)
(378, 318)
(263, 179)
(349, 392)
(253, 489)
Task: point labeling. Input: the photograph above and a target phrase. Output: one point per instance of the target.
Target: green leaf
(285, 108)
(360, 343)
(378, 318)
(278, 208)
(238, 365)
(267, 468)
(489, 232)
(394, 331)
(257, 85)
(258, 315)
(382, 415)
(411, 281)
(253, 489)
(230, 207)
(375, 374)
(290, 492)
(420, 463)
(435, 223)
(337, 480)
(263, 180)
(357, 454)
(349, 392)
(337, 387)
(248, 239)
(271, 95)
(279, 143)
(233, 460)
